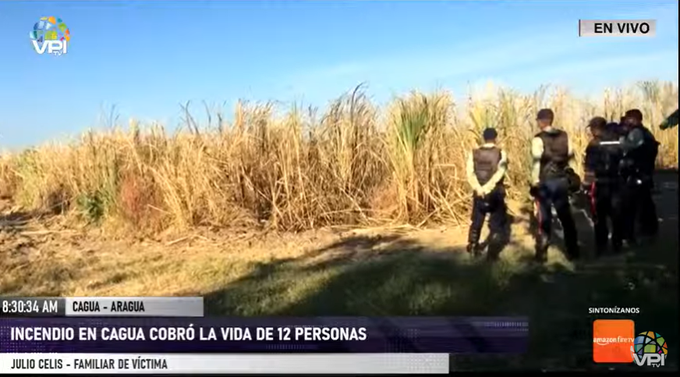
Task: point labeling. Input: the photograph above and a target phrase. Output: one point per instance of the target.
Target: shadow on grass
(17, 219)
(396, 276)
(406, 279)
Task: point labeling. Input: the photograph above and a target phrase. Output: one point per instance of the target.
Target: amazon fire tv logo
(612, 340)
(606, 341)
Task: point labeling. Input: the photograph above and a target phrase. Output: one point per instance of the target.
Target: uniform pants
(607, 206)
(492, 204)
(555, 193)
(640, 209)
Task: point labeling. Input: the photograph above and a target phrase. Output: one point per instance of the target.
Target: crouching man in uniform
(486, 168)
(604, 184)
(551, 185)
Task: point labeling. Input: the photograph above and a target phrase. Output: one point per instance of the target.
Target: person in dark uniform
(618, 129)
(486, 168)
(640, 149)
(550, 185)
(603, 184)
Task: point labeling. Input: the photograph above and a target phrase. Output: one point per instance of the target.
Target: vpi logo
(50, 35)
(649, 349)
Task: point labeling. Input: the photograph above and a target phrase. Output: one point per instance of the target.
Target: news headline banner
(101, 307)
(616, 28)
(252, 335)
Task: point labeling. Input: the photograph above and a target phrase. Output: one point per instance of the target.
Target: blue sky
(148, 57)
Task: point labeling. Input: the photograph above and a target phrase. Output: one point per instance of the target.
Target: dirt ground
(373, 272)
(42, 256)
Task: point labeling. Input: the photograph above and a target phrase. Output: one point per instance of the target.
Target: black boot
(541, 256)
(601, 244)
(473, 241)
(573, 250)
(573, 253)
(473, 249)
(542, 243)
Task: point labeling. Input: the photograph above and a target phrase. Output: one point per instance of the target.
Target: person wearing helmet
(552, 152)
(486, 168)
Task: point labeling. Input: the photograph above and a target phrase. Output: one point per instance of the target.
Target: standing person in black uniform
(603, 184)
(640, 149)
(486, 167)
(550, 185)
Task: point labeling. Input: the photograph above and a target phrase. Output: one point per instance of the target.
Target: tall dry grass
(354, 164)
